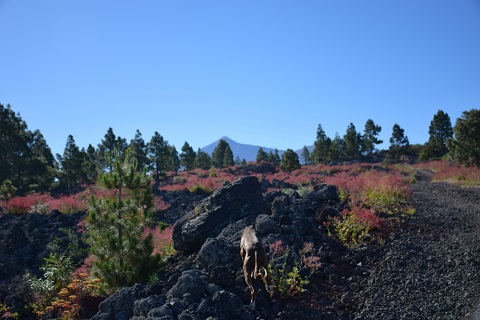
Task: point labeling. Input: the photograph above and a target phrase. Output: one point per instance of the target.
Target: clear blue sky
(260, 72)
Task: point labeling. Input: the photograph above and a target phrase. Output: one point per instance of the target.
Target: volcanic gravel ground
(431, 267)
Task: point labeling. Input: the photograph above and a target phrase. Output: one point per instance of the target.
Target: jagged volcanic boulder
(241, 198)
(205, 279)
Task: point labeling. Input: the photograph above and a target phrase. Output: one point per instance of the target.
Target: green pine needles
(115, 225)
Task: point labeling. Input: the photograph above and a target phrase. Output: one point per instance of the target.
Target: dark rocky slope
(428, 268)
(205, 280)
(23, 245)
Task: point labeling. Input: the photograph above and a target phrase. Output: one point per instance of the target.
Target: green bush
(290, 271)
(115, 225)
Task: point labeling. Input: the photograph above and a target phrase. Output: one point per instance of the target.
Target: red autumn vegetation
(44, 203)
(162, 239)
(370, 188)
(454, 172)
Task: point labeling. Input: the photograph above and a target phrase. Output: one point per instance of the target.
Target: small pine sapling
(122, 257)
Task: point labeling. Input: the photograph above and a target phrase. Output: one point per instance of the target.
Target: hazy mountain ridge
(247, 151)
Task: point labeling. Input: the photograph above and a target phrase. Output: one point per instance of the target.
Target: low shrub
(68, 302)
(354, 226)
(290, 271)
(6, 314)
(25, 204)
(69, 204)
(56, 271)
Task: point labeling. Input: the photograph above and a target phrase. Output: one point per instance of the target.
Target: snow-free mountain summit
(245, 151)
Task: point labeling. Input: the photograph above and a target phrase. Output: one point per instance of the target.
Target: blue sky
(260, 72)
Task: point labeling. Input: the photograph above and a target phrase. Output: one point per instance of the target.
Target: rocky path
(431, 269)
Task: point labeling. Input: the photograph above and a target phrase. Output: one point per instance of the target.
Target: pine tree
(440, 131)
(40, 168)
(158, 155)
(203, 160)
(107, 145)
(238, 161)
(91, 166)
(174, 159)
(290, 161)
(337, 149)
(25, 158)
(115, 225)
(7, 191)
(305, 155)
(398, 142)
(465, 146)
(187, 157)
(274, 157)
(352, 143)
(218, 155)
(369, 138)
(139, 151)
(72, 172)
(261, 155)
(321, 146)
(228, 157)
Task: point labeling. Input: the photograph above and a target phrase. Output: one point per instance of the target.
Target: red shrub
(198, 179)
(444, 170)
(69, 204)
(365, 217)
(362, 183)
(22, 205)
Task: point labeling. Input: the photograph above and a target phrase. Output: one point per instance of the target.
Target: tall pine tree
(440, 131)
(228, 157)
(370, 137)
(218, 155)
(321, 146)
(139, 151)
(25, 158)
(398, 142)
(203, 160)
(337, 149)
(158, 155)
(290, 161)
(107, 145)
(174, 159)
(465, 146)
(261, 155)
(72, 172)
(352, 143)
(187, 157)
(306, 155)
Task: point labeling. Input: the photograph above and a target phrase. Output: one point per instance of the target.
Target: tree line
(459, 143)
(28, 165)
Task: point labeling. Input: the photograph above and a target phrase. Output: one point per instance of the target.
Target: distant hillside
(246, 151)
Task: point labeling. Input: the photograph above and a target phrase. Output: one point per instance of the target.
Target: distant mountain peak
(245, 151)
